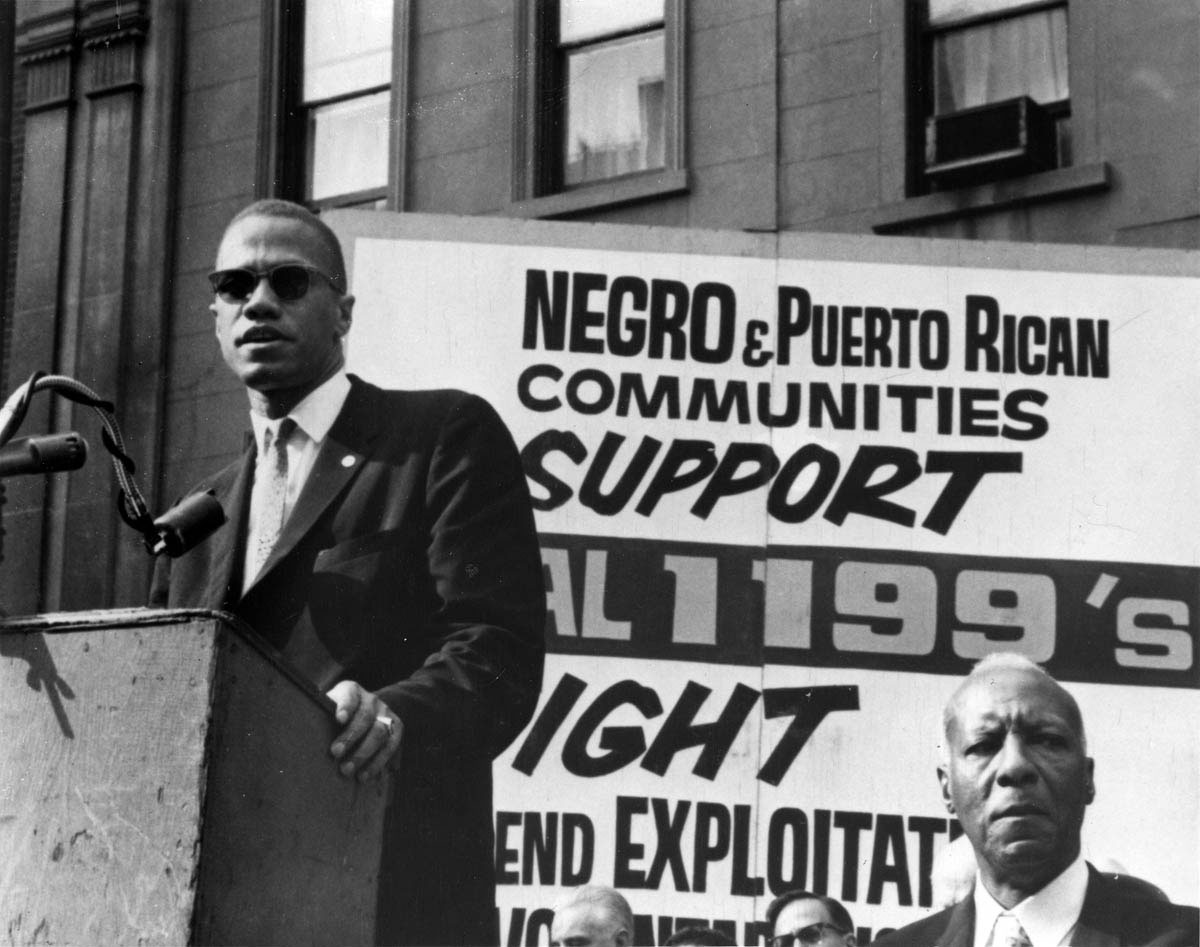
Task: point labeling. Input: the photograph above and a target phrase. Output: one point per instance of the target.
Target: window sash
(539, 114)
(282, 169)
(943, 13)
(347, 47)
(615, 109)
(961, 61)
(583, 21)
(348, 145)
(1000, 59)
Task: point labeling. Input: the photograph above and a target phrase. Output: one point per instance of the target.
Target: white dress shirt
(1049, 917)
(314, 416)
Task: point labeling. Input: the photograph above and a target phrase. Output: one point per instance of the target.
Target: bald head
(985, 672)
(592, 916)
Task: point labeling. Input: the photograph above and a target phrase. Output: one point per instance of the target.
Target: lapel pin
(349, 460)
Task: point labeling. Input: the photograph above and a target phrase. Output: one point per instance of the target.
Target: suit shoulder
(1139, 918)
(429, 399)
(922, 933)
(1161, 923)
(217, 480)
(431, 408)
(450, 401)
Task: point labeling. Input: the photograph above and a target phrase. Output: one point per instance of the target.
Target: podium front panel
(102, 736)
(165, 778)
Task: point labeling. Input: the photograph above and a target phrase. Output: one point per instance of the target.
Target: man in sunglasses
(804, 919)
(1016, 773)
(383, 542)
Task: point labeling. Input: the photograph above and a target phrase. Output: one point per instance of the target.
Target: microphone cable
(130, 502)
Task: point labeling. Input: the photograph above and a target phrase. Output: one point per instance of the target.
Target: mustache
(1019, 809)
(260, 333)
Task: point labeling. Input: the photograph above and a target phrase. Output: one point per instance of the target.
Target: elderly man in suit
(383, 542)
(1017, 775)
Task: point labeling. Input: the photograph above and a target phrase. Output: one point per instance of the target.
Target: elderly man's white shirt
(1049, 917)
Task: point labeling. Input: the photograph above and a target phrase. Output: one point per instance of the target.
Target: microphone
(188, 523)
(48, 453)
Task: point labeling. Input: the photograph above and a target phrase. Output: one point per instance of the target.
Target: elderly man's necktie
(273, 468)
(1008, 932)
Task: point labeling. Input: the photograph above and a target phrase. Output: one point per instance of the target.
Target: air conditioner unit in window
(989, 142)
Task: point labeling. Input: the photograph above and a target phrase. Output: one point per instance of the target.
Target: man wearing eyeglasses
(384, 542)
(804, 919)
(1017, 775)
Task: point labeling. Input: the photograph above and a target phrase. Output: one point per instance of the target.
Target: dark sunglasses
(811, 934)
(288, 281)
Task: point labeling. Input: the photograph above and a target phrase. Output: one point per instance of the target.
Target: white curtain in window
(1025, 55)
(615, 105)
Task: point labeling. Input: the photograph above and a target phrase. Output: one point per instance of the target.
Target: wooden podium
(164, 779)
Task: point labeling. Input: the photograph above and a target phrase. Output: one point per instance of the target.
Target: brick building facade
(130, 131)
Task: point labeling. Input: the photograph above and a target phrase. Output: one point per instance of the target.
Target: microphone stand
(173, 533)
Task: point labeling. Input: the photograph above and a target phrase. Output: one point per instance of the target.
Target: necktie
(273, 468)
(1008, 932)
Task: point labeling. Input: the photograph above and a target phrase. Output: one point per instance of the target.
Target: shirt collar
(987, 909)
(1048, 915)
(315, 414)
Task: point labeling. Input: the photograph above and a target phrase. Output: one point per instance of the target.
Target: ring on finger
(388, 723)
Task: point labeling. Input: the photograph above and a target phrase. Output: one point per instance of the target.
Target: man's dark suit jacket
(410, 565)
(1111, 917)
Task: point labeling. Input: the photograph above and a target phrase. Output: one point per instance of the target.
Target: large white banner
(784, 504)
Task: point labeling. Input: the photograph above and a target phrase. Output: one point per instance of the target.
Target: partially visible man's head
(280, 307)
(1015, 772)
(801, 918)
(592, 916)
(331, 247)
(699, 937)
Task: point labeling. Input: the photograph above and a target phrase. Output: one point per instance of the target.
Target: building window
(612, 70)
(599, 95)
(341, 89)
(977, 53)
(345, 99)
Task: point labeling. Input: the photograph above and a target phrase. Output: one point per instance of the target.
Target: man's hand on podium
(372, 733)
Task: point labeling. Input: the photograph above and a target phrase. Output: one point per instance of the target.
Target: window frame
(921, 105)
(536, 186)
(903, 209)
(283, 129)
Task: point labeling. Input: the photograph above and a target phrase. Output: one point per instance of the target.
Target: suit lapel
(232, 491)
(338, 461)
(960, 929)
(1086, 936)
(1100, 917)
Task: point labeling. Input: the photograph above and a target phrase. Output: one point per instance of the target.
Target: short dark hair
(839, 915)
(276, 207)
(699, 936)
